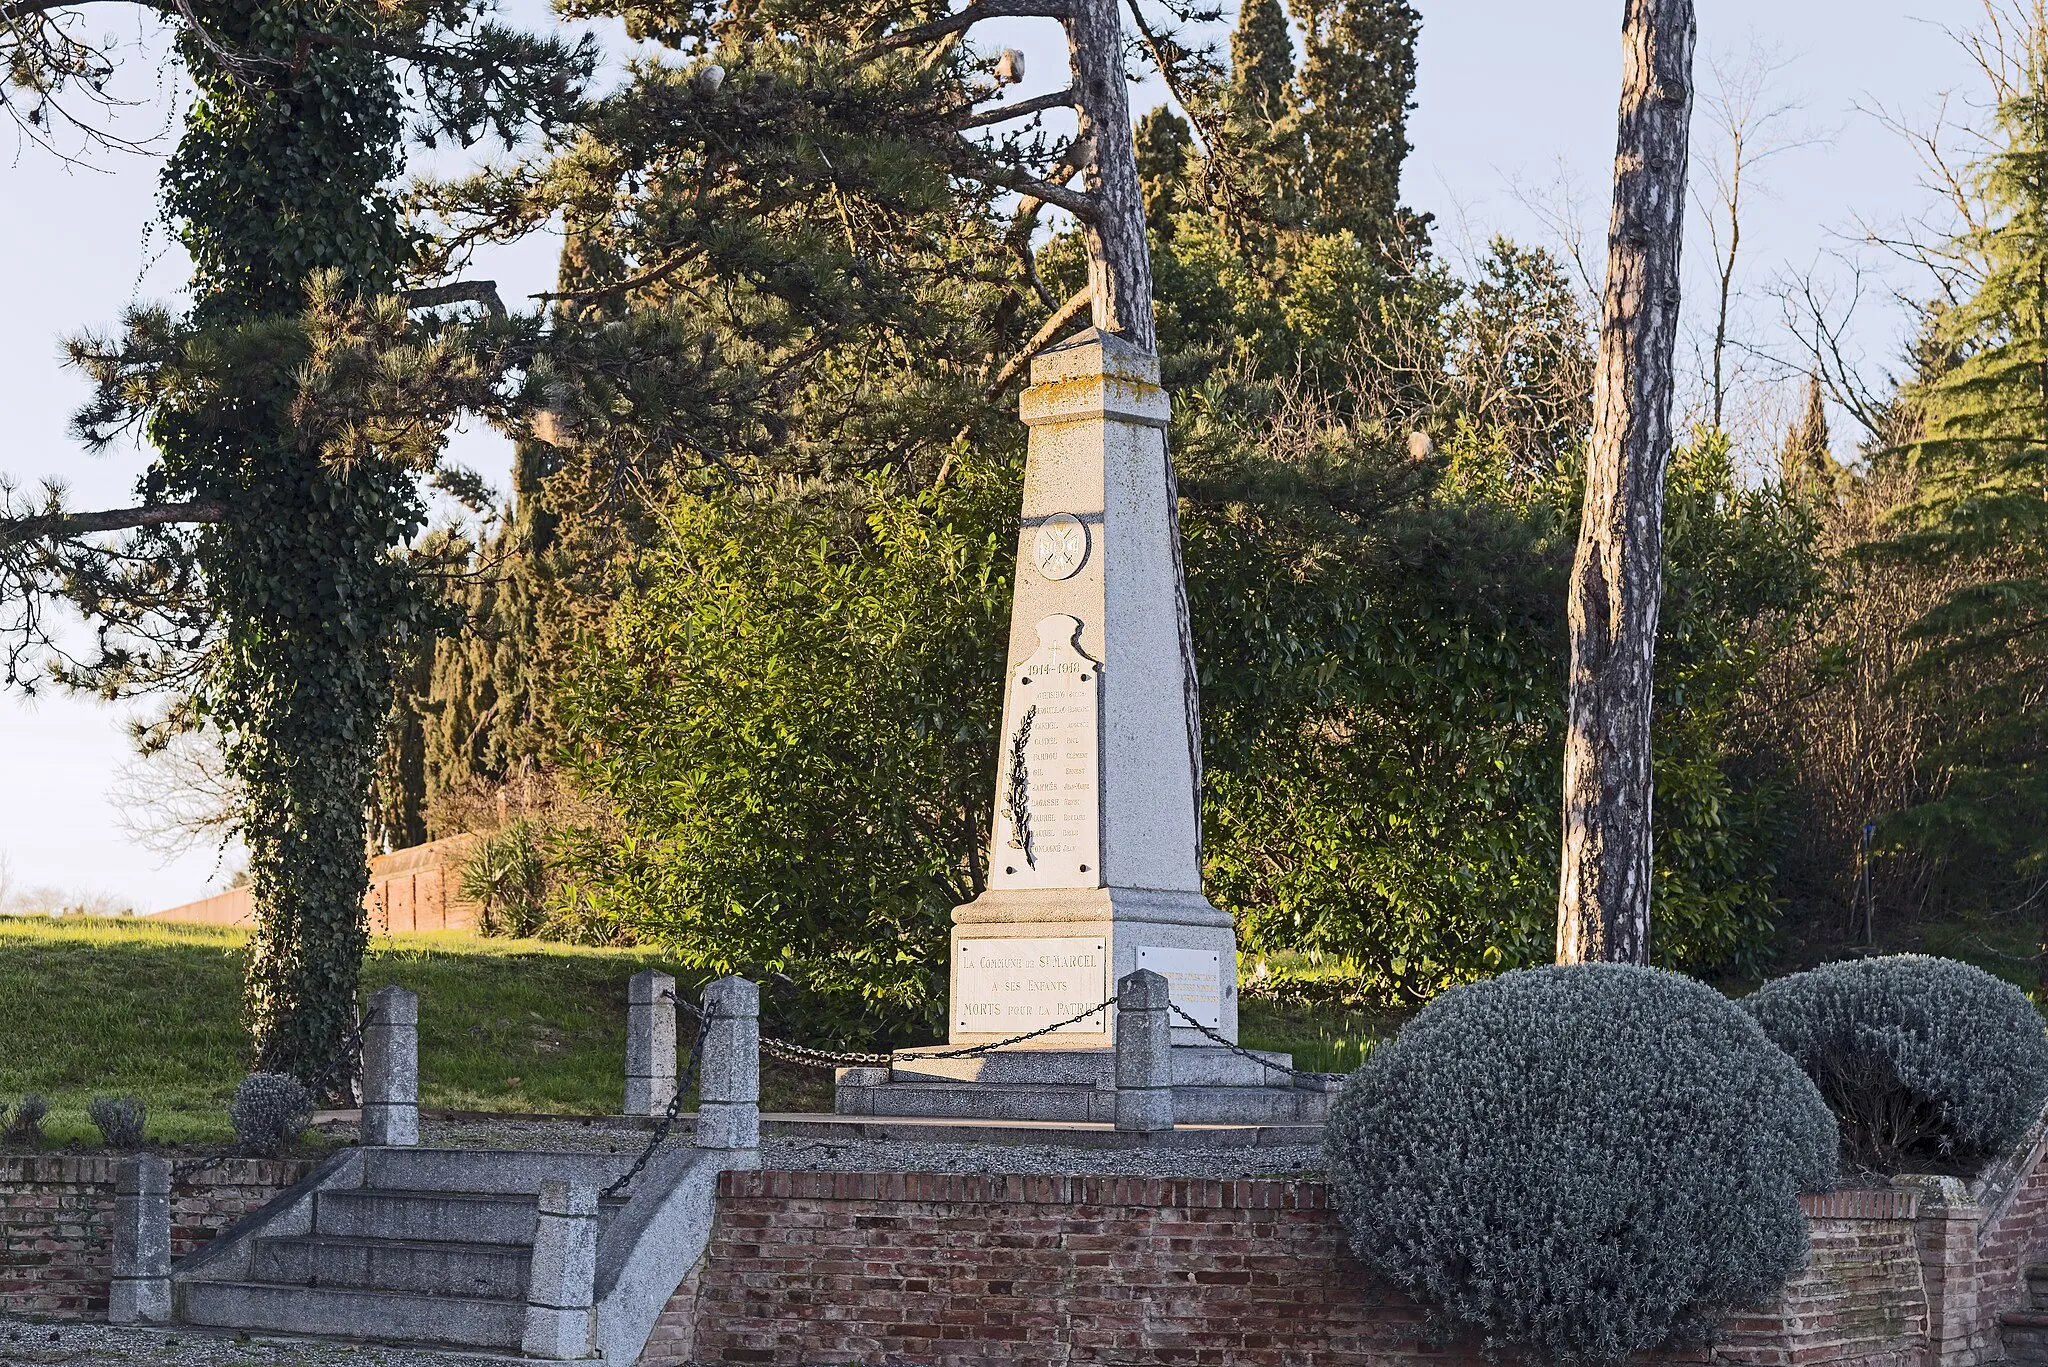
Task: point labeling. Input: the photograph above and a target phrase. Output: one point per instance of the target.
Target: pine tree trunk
(1603, 910)
(1119, 261)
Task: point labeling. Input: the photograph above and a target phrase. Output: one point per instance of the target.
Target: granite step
(503, 1172)
(1074, 1105)
(386, 1316)
(435, 1216)
(425, 1267)
(2024, 1334)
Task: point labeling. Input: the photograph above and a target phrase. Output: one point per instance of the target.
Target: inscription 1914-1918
(1048, 822)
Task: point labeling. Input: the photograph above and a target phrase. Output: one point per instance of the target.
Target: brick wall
(56, 1214)
(1031, 1271)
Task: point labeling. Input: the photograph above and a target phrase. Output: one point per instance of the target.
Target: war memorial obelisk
(1095, 856)
(1095, 859)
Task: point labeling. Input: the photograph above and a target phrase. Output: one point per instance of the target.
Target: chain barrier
(684, 1083)
(1241, 1051)
(827, 1058)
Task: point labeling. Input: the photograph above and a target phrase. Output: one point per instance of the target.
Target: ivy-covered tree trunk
(281, 174)
(1603, 908)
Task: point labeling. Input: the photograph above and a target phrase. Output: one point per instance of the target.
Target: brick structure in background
(1033, 1271)
(56, 1223)
(410, 890)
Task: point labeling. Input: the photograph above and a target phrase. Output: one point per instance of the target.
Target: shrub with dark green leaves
(120, 1120)
(1928, 1064)
(1580, 1162)
(269, 1112)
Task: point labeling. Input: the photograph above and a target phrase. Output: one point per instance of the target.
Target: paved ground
(29, 1343)
(889, 1155)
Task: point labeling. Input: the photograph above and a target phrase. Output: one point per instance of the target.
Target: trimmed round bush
(269, 1112)
(1580, 1162)
(1928, 1064)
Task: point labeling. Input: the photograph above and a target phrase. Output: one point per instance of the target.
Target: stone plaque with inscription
(1011, 987)
(1048, 807)
(1194, 981)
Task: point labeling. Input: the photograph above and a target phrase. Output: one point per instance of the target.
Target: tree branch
(16, 10)
(965, 19)
(1066, 314)
(1001, 113)
(976, 163)
(61, 525)
(483, 292)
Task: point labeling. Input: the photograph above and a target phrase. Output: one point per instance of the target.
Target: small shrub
(270, 1111)
(26, 1125)
(1580, 1162)
(1928, 1064)
(120, 1120)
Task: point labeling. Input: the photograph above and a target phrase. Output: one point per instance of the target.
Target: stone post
(729, 1072)
(391, 1069)
(1144, 1053)
(1946, 1234)
(650, 1043)
(141, 1290)
(561, 1287)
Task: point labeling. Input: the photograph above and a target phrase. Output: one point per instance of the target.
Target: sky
(1513, 133)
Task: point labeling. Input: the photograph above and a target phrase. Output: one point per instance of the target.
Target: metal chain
(819, 1058)
(687, 1080)
(1239, 1049)
(977, 1050)
(806, 1056)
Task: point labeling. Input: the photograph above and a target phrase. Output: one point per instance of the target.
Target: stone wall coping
(92, 1169)
(1862, 1203)
(1197, 1193)
(1028, 1189)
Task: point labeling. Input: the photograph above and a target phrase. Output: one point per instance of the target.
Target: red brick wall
(2010, 1238)
(56, 1223)
(1023, 1271)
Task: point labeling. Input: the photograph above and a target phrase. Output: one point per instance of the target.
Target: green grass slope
(98, 1006)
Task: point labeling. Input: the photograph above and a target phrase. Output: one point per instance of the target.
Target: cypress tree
(1357, 84)
(1805, 460)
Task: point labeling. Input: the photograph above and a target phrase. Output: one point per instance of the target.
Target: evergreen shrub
(269, 1112)
(1580, 1162)
(120, 1120)
(1928, 1064)
(26, 1125)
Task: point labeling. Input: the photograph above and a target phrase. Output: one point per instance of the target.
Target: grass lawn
(92, 1006)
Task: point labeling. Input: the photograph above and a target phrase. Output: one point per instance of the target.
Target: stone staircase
(2025, 1332)
(409, 1245)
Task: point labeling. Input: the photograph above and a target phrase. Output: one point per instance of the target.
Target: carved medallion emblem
(1061, 547)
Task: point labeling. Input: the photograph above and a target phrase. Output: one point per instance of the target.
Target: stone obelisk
(1095, 865)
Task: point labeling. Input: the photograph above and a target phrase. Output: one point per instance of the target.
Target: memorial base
(1212, 1086)
(1023, 959)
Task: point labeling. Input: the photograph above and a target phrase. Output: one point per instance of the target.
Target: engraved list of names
(1048, 828)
